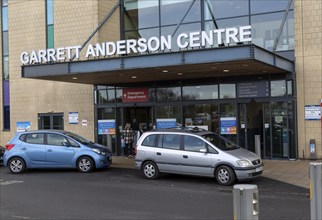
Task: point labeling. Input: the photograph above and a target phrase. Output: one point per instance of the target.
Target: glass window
(56, 139)
(150, 140)
(4, 3)
(35, 138)
(105, 96)
(50, 36)
(140, 14)
(184, 28)
(169, 111)
(172, 11)
(168, 94)
(286, 41)
(262, 6)
(6, 122)
(73, 143)
(215, 9)
(50, 12)
(106, 113)
(58, 122)
(192, 143)
(5, 43)
(202, 115)
(265, 29)
(6, 68)
(4, 18)
(289, 87)
(143, 33)
(170, 141)
(200, 92)
(227, 91)
(278, 88)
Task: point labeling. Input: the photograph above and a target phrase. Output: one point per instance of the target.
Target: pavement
(295, 172)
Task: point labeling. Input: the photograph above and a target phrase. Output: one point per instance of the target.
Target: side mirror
(203, 150)
(65, 144)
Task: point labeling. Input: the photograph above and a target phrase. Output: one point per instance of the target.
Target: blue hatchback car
(54, 149)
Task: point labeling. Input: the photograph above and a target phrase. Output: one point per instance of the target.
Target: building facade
(250, 70)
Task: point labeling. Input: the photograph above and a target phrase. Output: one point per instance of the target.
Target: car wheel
(16, 165)
(225, 175)
(150, 170)
(85, 164)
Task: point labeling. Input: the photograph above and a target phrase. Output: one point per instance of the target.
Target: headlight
(98, 151)
(244, 163)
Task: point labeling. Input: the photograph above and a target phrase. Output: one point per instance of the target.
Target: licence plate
(258, 169)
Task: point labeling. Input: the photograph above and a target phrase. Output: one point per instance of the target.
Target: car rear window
(150, 140)
(35, 138)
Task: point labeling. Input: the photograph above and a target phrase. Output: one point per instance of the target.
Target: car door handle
(50, 150)
(185, 156)
(158, 153)
(24, 148)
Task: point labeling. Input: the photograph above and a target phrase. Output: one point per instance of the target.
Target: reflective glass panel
(140, 14)
(200, 92)
(215, 9)
(280, 141)
(289, 88)
(106, 96)
(261, 6)
(50, 36)
(187, 28)
(6, 68)
(227, 91)
(58, 122)
(204, 116)
(172, 11)
(144, 33)
(278, 88)
(50, 12)
(105, 113)
(168, 94)
(169, 112)
(5, 43)
(286, 41)
(4, 18)
(265, 29)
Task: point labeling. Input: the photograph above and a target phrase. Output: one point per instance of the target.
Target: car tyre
(85, 164)
(150, 170)
(16, 165)
(225, 175)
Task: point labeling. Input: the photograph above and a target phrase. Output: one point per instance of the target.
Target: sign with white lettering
(210, 38)
(253, 89)
(136, 95)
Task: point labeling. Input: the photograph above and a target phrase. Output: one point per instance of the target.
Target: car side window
(170, 141)
(56, 139)
(149, 141)
(192, 143)
(73, 143)
(35, 138)
(211, 150)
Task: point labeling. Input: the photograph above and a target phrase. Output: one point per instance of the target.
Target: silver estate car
(195, 152)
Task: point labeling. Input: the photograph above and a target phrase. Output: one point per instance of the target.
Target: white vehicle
(195, 152)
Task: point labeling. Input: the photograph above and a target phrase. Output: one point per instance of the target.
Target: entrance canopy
(190, 64)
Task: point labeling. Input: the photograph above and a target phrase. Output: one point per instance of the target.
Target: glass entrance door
(250, 125)
(280, 139)
(51, 121)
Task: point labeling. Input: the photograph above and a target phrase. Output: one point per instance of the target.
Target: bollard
(316, 190)
(246, 204)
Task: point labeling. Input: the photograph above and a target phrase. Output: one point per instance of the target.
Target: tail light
(9, 146)
(135, 150)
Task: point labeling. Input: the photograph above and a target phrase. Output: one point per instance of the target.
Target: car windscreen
(220, 142)
(79, 138)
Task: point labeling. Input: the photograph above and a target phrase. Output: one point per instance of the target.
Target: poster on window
(23, 126)
(163, 123)
(228, 125)
(106, 126)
